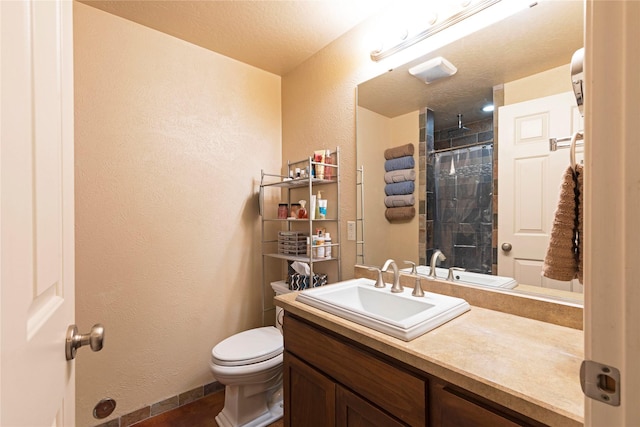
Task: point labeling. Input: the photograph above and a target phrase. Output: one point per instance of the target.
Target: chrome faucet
(417, 289)
(437, 256)
(413, 267)
(396, 287)
(379, 280)
(452, 276)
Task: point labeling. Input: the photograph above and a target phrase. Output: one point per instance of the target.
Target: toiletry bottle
(314, 246)
(318, 198)
(328, 170)
(320, 248)
(318, 156)
(283, 210)
(293, 213)
(322, 207)
(327, 245)
(312, 207)
(302, 212)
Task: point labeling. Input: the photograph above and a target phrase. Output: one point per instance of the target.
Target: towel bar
(555, 143)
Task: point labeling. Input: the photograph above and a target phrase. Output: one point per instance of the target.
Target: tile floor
(200, 413)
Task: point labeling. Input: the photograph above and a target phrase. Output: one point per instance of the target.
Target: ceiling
(275, 36)
(278, 35)
(536, 39)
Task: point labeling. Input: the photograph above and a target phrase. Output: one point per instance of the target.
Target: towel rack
(555, 143)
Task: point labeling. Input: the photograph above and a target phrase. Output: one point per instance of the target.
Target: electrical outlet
(351, 230)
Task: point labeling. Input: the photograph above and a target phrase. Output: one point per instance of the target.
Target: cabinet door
(353, 411)
(379, 381)
(309, 396)
(452, 408)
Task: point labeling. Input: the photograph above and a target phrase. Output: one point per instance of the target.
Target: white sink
(469, 278)
(400, 315)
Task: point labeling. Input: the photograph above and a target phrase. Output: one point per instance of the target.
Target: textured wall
(376, 133)
(170, 140)
(319, 111)
(550, 82)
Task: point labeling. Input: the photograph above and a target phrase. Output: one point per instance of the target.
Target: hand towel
(399, 188)
(561, 260)
(400, 175)
(399, 201)
(401, 151)
(400, 214)
(579, 234)
(405, 162)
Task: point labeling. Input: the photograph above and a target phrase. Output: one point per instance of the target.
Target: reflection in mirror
(517, 60)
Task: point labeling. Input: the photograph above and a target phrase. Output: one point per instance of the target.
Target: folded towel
(400, 175)
(405, 162)
(399, 201)
(400, 214)
(401, 151)
(561, 260)
(399, 188)
(579, 233)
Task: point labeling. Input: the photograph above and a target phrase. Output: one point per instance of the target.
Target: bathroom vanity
(483, 368)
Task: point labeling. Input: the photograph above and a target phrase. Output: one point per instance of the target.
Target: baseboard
(164, 405)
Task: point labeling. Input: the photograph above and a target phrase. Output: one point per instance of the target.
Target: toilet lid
(252, 346)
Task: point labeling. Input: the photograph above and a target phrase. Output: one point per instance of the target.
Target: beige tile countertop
(524, 364)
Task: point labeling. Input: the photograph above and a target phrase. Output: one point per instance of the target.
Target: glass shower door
(463, 225)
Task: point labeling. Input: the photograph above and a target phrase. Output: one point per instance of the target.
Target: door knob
(507, 247)
(95, 339)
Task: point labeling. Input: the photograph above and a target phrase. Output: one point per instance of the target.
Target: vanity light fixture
(488, 108)
(433, 69)
(468, 10)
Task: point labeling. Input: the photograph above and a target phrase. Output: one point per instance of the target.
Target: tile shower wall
(456, 209)
(463, 225)
(425, 192)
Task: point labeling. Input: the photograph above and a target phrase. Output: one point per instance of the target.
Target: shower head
(460, 130)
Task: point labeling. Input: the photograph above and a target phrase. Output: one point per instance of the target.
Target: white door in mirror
(528, 199)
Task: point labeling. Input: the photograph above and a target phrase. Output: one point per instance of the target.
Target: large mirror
(516, 61)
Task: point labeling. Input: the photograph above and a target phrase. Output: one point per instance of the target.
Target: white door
(527, 200)
(36, 215)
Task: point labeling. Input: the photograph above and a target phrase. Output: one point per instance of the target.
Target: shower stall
(463, 206)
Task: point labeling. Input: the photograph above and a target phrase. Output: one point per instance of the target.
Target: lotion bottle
(312, 207)
(327, 245)
(319, 214)
(322, 208)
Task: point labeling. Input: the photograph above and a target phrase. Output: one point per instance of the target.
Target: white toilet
(249, 364)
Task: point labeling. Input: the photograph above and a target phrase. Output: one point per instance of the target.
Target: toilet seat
(248, 347)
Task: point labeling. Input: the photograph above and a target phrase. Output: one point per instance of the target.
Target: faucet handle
(413, 267)
(379, 281)
(451, 276)
(417, 289)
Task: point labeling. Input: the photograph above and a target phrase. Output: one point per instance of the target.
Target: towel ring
(572, 151)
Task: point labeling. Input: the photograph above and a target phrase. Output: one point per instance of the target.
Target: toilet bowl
(249, 365)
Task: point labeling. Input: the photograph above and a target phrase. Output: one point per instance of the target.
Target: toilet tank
(280, 288)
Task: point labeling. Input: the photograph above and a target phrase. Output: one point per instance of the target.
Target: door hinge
(600, 382)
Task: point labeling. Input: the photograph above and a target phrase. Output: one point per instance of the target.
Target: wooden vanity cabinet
(332, 381)
(310, 396)
(453, 407)
(346, 380)
(316, 400)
